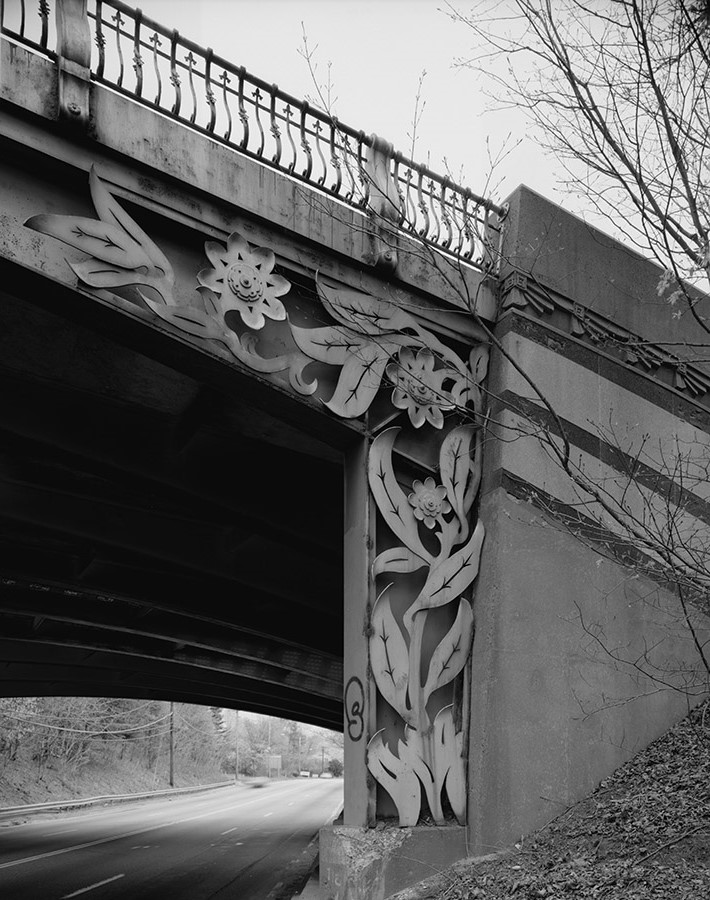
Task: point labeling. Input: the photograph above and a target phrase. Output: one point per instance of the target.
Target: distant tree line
(75, 732)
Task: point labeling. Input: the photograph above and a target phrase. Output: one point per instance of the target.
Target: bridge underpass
(160, 535)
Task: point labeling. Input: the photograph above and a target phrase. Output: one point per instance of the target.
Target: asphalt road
(234, 843)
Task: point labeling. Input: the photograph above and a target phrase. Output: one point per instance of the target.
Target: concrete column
(73, 63)
(359, 708)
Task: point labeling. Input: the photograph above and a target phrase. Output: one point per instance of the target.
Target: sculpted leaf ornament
(404, 675)
(120, 253)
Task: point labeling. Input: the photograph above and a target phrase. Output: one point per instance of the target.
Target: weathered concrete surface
(212, 186)
(564, 253)
(552, 712)
(373, 864)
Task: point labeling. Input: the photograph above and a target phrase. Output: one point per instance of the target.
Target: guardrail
(59, 805)
(158, 67)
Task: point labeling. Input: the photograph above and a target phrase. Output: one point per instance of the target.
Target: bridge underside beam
(161, 533)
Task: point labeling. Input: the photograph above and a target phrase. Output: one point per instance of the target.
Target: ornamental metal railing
(158, 67)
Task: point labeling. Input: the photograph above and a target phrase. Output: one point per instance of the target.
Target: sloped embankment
(644, 834)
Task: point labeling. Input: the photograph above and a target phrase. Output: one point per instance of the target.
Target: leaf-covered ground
(644, 834)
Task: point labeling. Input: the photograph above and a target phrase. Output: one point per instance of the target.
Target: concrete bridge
(285, 425)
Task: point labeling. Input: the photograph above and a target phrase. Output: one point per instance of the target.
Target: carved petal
(389, 496)
(187, 319)
(389, 658)
(364, 313)
(397, 559)
(217, 254)
(451, 654)
(331, 344)
(100, 274)
(397, 778)
(449, 765)
(210, 301)
(455, 466)
(102, 240)
(447, 581)
(478, 362)
(273, 309)
(109, 210)
(278, 285)
(212, 279)
(237, 244)
(359, 381)
(264, 259)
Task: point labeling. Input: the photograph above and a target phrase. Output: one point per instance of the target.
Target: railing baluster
(318, 128)
(335, 187)
(243, 116)
(209, 93)
(22, 16)
(224, 78)
(304, 143)
(44, 15)
(137, 58)
(468, 231)
(118, 19)
(431, 190)
(424, 230)
(294, 153)
(256, 94)
(362, 175)
(174, 74)
(100, 40)
(400, 193)
(458, 221)
(347, 151)
(155, 41)
(190, 59)
(274, 128)
(410, 213)
(445, 217)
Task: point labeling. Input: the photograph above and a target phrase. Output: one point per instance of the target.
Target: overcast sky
(378, 50)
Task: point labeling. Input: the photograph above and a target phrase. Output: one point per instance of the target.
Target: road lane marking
(92, 886)
(118, 837)
(231, 808)
(266, 815)
(230, 830)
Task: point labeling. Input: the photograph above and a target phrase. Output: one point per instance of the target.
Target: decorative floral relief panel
(369, 342)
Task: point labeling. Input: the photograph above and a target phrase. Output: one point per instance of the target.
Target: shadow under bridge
(169, 528)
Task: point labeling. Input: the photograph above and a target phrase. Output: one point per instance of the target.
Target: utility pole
(236, 745)
(172, 743)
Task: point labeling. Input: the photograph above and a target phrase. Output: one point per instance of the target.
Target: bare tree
(619, 93)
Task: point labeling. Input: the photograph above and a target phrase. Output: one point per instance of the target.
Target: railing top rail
(161, 68)
(223, 63)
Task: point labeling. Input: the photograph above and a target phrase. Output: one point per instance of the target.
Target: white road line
(92, 886)
(266, 815)
(119, 837)
(230, 830)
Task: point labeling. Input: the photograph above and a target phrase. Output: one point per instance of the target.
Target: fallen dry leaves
(644, 834)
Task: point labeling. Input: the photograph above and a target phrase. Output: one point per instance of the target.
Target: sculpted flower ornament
(418, 388)
(429, 501)
(243, 279)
